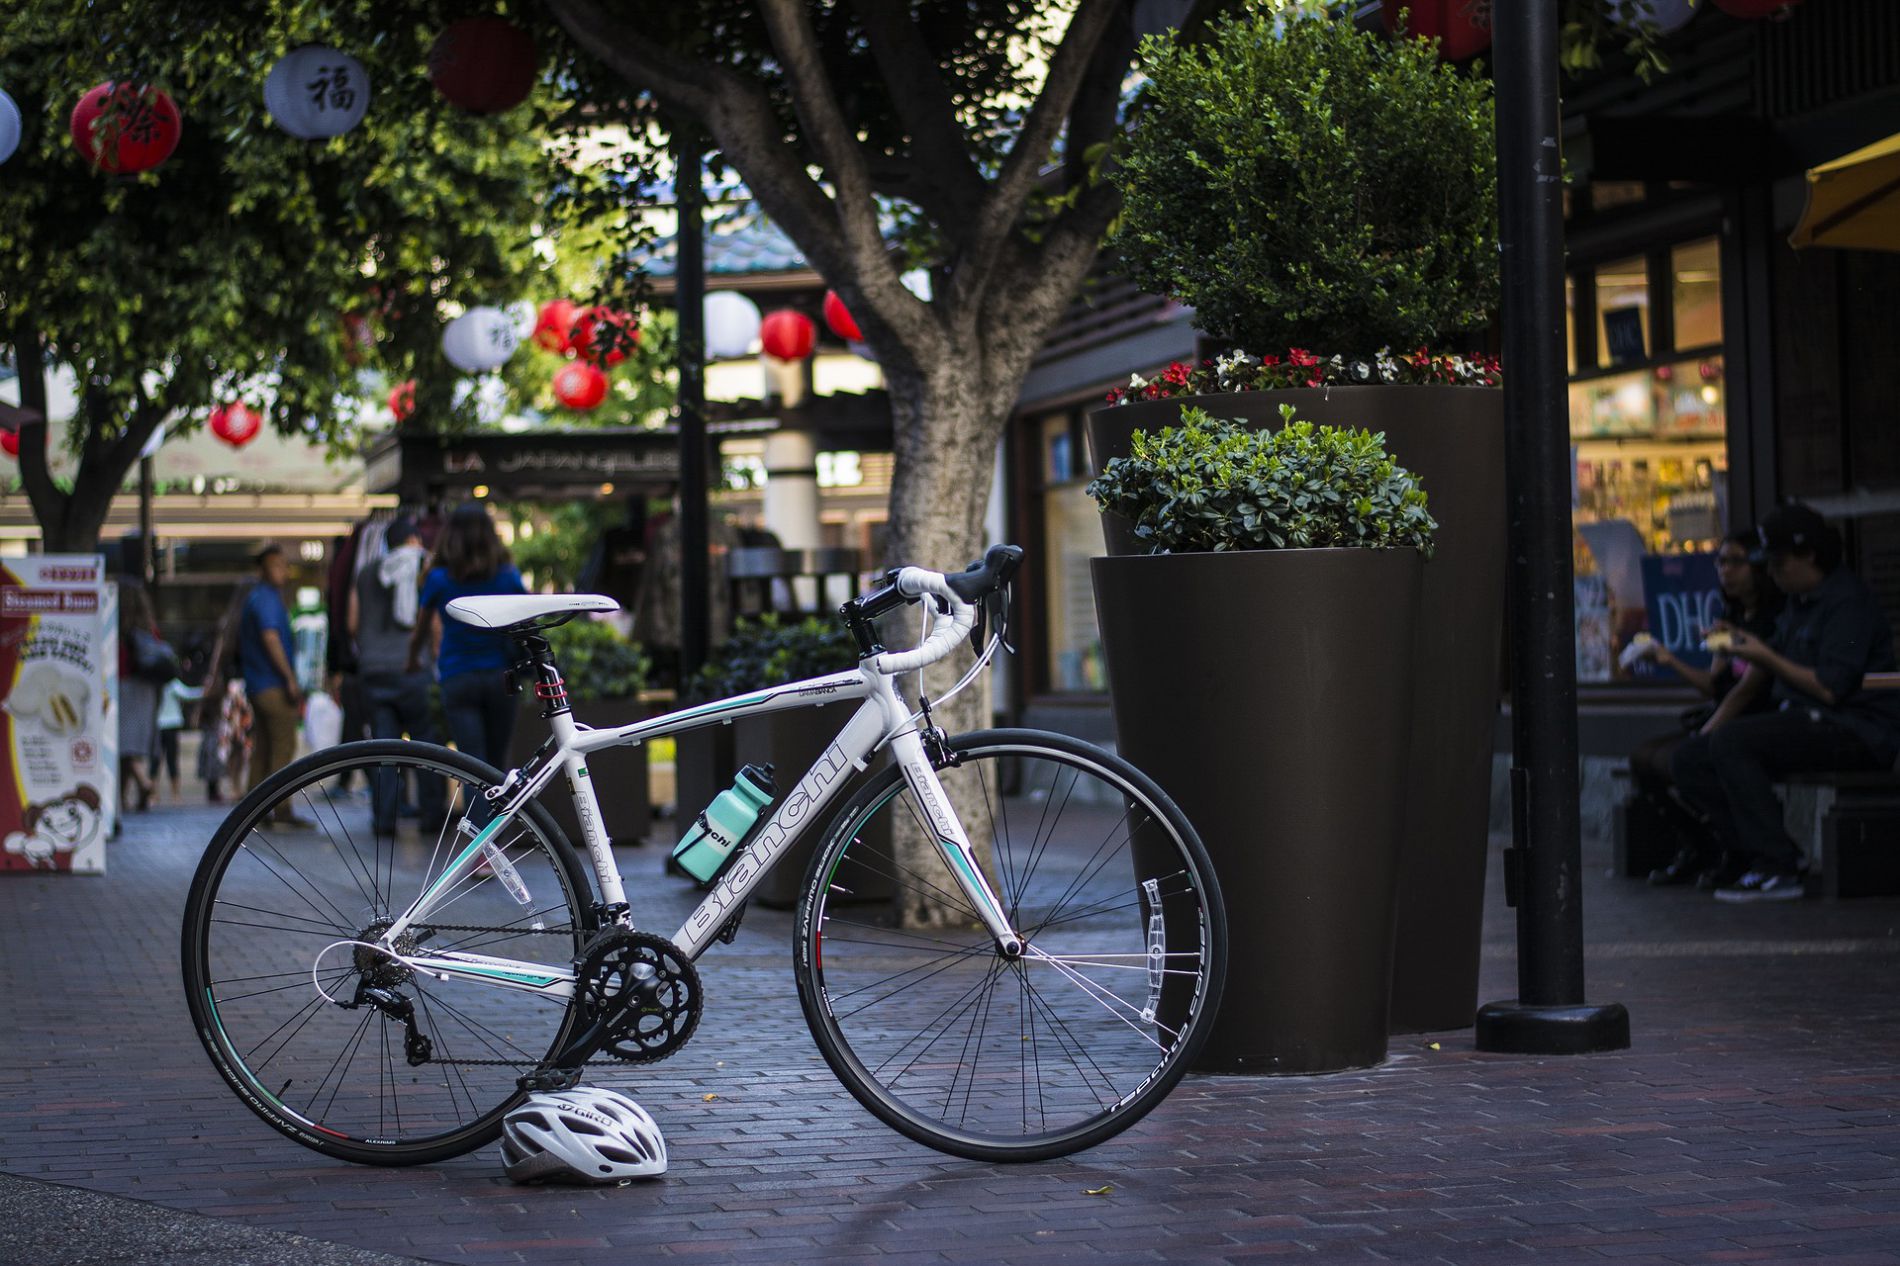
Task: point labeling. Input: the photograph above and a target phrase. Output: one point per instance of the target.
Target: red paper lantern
(1461, 27)
(616, 332)
(788, 334)
(484, 65)
(237, 424)
(10, 443)
(554, 326)
(402, 400)
(142, 133)
(1755, 8)
(838, 317)
(580, 385)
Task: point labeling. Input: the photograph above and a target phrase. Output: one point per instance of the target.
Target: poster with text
(58, 674)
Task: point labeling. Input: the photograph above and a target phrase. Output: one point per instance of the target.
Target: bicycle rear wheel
(268, 923)
(959, 1048)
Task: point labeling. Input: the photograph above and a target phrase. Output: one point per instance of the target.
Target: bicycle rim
(968, 1052)
(269, 922)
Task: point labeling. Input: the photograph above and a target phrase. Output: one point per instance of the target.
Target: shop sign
(1682, 597)
(59, 677)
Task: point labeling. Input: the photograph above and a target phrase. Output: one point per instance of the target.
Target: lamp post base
(1517, 1029)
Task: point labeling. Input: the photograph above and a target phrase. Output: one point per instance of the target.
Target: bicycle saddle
(523, 612)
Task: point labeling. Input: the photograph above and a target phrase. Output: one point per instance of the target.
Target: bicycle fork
(954, 843)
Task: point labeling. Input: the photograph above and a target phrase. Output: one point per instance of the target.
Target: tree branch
(1097, 109)
(1008, 192)
(869, 273)
(683, 83)
(46, 497)
(929, 114)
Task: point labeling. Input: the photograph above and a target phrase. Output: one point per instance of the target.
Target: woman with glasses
(1750, 603)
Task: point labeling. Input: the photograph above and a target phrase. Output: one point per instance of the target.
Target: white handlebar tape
(916, 582)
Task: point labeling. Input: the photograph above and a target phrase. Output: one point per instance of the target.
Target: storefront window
(1695, 296)
(1072, 534)
(1622, 313)
(1650, 467)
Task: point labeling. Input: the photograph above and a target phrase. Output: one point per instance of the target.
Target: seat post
(537, 662)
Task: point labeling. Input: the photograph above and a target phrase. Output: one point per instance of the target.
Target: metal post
(690, 294)
(148, 547)
(1543, 869)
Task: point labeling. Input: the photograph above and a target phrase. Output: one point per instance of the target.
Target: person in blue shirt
(470, 663)
(269, 680)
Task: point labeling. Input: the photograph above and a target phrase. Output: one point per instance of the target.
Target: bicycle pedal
(548, 1080)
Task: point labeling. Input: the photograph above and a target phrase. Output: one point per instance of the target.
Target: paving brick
(1754, 1120)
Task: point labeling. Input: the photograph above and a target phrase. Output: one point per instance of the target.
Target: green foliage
(561, 539)
(768, 650)
(597, 662)
(1306, 184)
(1213, 485)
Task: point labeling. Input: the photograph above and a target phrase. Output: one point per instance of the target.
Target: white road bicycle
(389, 998)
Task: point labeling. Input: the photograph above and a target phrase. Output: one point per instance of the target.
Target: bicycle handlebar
(918, 582)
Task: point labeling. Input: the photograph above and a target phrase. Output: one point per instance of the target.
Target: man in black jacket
(1829, 637)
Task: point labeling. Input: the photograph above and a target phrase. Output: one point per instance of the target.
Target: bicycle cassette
(643, 989)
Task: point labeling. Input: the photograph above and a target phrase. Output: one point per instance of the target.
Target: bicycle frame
(881, 718)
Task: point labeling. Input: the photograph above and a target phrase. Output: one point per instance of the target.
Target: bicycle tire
(1093, 1046)
(265, 897)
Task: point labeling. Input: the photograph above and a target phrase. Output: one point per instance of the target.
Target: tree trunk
(947, 422)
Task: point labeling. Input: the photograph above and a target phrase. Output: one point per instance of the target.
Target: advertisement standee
(59, 661)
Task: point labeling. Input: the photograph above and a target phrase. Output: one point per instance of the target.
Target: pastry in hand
(1719, 640)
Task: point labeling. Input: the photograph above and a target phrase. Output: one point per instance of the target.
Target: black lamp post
(1543, 871)
(689, 298)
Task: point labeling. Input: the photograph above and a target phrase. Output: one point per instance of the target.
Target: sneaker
(1765, 885)
(1682, 869)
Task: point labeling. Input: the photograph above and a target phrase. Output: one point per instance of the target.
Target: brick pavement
(1754, 1120)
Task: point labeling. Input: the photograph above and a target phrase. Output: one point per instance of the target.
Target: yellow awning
(1854, 201)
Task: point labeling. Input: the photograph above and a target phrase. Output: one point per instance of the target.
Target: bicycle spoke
(1105, 883)
(267, 909)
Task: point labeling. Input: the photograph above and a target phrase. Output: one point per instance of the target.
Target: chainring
(647, 989)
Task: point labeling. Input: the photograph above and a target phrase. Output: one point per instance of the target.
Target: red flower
(1266, 360)
(1300, 356)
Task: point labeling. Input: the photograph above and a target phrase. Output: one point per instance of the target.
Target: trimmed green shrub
(597, 662)
(1211, 485)
(769, 650)
(1304, 184)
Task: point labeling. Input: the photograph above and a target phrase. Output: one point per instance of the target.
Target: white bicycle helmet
(581, 1135)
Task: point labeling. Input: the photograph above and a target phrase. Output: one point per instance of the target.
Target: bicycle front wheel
(295, 884)
(991, 1058)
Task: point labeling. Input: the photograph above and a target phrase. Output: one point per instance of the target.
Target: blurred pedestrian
(470, 663)
(172, 698)
(270, 682)
(383, 606)
(146, 662)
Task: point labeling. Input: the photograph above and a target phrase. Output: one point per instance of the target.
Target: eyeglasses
(1731, 560)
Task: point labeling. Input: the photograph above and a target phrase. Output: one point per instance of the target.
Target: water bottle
(715, 835)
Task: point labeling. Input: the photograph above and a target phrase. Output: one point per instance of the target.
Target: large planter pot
(702, 768)
(619, 774)
(792, 742)
(1269, 693)
(1453, 439)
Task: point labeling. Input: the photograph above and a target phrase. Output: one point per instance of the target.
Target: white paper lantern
(524, 315)
(732, 324)
(9, 127)
(480, 339)
(315, 92)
